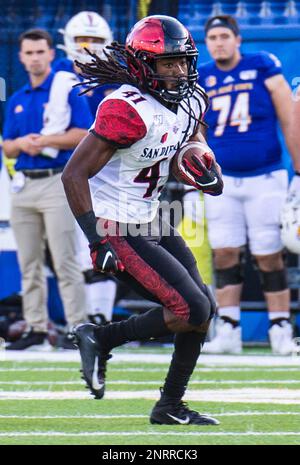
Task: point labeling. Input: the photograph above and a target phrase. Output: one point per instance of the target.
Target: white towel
(57, 114)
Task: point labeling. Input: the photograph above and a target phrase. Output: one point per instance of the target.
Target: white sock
(101, 298)
(233, 312)
(275, 315)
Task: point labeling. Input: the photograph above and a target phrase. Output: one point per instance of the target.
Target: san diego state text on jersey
(242, 119)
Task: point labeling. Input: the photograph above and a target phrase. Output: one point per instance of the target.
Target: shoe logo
(92, 340)
(95, 381)
(107, 256)
(179, 420)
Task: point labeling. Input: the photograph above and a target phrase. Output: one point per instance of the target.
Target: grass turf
(126, 421)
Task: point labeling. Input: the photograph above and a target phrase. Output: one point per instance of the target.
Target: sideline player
(88, 29)
(127, 156)
(249, 96)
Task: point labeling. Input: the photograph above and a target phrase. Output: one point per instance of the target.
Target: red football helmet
(156, 37)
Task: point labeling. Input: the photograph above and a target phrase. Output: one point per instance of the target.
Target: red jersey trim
(119, 123)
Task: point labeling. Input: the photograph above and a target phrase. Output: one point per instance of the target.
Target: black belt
(37, 174)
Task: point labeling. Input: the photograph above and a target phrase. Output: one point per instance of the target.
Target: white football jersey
(128, 187)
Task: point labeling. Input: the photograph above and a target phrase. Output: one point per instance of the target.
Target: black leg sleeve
(137, 327)
(187, 350)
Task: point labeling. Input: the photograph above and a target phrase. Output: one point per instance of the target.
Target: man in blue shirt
(39, 206)
(248, 95)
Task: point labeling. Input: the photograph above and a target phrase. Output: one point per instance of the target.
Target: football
(187, 151)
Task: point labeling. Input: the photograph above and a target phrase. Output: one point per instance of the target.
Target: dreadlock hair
(113, 70)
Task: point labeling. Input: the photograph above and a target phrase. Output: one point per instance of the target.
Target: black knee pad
(229, 276)
(273, 281)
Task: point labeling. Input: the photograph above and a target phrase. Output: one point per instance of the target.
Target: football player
(85, 30)
(249, 96)
(126, 156)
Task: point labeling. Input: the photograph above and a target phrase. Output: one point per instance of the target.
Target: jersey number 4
(150, 175)
(237, 116)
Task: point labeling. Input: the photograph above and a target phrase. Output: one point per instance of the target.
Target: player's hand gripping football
(206, 173)
(104, 257)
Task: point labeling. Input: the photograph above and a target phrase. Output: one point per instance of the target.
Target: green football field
(255, 396)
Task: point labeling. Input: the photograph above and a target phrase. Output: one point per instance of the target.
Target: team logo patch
(248, 74)
(164, 138)
(175, 129)
(210, 81)
(298, 233)
(90, 18)
(19, 109)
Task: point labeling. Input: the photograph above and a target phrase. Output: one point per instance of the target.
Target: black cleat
(165, 413)
(93, 360)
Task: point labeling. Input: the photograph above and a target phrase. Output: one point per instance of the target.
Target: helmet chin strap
(175, 95)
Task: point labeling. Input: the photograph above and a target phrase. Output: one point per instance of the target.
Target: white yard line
(210, 360)
(42, 369)
(72, 417)
(149, 433)
(149, 383)
(245, 395)
(113, 369)
(118, 417)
